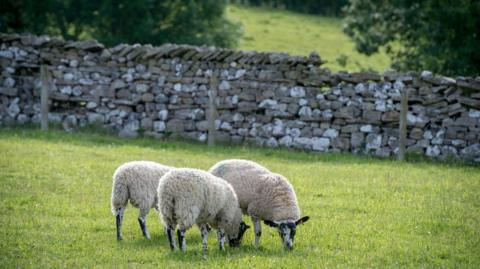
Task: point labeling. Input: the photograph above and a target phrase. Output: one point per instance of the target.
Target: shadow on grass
(214, 254)
(100, 137)
(194, 252)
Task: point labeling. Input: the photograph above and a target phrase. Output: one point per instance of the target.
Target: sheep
(190, 196)
(136, 182)
(263, 195)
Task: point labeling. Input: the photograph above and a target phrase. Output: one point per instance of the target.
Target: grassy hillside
(365, 212)
(299, 34)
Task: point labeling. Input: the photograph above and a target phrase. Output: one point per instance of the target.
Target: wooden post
(402, 131)
(212, 112)
(44, 75)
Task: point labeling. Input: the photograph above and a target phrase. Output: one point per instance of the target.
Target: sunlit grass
(300, 34)
(365, 212)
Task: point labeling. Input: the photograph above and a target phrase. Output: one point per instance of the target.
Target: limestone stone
(471, 152)
(366, 128)
(224, 85)
(271, 143)
(432, 151)
(13, 109)
(372, 116)
(159, 126)
(127, 133)
(91, 105)
(95, 118)
(22, 119)
(320, 144)
(226, 126)
(330, 133)
(416, 133)
(141, 88)
(163, 115)
(357, 140)
(268, 104)
(305, 112)
(175, 126)
(294, 132)
(146, 123)
(349, 128)
(391, 116)
(373, 141)
(383, 152)
(297, 92)
(347, 112)
(286, 141)
(302, 142)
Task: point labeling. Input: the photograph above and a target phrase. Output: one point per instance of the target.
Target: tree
(438, 35)
(123, 21)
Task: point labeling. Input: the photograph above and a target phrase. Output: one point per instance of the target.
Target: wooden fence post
(212, 112)
(45, 78)
(402, 131)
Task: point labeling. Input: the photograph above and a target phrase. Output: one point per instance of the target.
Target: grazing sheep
(263, 195)
(136, 182)
(190, 196)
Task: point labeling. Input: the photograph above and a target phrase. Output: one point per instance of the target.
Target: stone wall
(271, 99)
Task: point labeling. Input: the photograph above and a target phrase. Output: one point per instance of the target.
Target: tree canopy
(438, 35)
(123, 21)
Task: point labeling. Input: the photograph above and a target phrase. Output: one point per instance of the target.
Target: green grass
(365, 212)
(300, 34)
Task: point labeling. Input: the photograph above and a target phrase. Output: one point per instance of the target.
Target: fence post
(45, 78)
(402, 131)
(212, 112)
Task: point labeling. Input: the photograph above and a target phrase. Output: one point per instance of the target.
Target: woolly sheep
(263, 195)
(136, 182)
(190, 196)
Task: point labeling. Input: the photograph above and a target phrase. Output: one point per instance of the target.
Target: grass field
(365, 212)
(300, 34)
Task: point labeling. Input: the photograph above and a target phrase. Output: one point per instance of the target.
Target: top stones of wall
(185, 52)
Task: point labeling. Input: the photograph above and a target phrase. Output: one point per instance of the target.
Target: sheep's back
(270, 195)
(141, 179)
(244, 176)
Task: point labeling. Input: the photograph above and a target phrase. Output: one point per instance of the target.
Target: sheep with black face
(263, 195)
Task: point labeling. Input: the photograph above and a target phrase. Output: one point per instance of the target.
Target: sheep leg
(181, 239)
(221, 238)
(169, 232)
(257, 227)
(119, 218)
(204, 229)
(142, 220)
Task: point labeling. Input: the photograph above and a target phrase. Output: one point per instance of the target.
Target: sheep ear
(302, 220)
(270, 223)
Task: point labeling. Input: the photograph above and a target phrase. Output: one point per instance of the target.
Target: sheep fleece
(190, 196)
(137, 181)
(261, 193)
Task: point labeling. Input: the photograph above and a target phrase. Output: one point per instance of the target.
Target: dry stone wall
(271, 99)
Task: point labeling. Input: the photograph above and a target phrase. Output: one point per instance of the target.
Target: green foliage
(442, 36)
(120, 21)
(318, 7)
(300, 34)
(365, 212)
